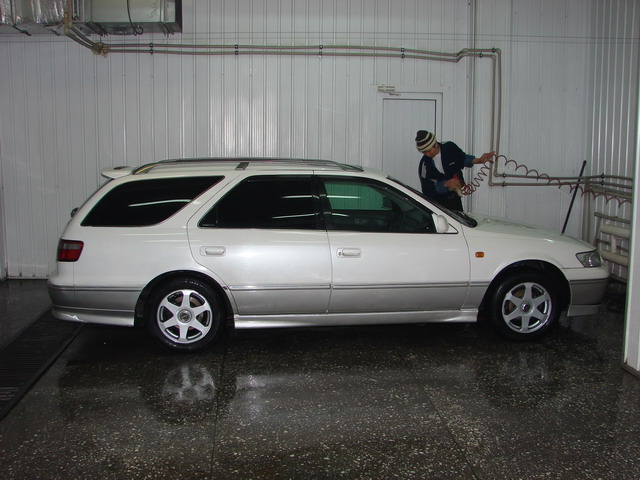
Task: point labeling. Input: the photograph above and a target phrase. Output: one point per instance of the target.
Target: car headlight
(589, 259)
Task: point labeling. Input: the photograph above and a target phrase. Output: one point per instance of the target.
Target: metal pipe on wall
(494, 54)
(100, 48)
(592, 183)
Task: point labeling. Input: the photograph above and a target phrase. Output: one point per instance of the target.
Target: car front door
(264, 241)
(386, 253)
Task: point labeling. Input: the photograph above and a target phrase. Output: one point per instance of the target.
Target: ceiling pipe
(494, 54)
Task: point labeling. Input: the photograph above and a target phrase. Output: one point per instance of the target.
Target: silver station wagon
(189, 247)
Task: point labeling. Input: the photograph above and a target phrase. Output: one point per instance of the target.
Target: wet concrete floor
(407, 402)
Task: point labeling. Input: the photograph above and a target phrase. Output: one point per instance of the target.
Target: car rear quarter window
(146, 202)
(267, 202)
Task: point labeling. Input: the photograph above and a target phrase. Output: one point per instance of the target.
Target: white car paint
(287, 277)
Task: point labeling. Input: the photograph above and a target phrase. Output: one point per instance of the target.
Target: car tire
(524, 306)
(185, 314)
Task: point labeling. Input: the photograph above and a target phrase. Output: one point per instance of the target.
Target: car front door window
(371, 207)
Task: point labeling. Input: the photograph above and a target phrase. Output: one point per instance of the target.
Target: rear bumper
(103, 317)
(105, 306)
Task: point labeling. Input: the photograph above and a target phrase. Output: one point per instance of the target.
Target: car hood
(499, 226)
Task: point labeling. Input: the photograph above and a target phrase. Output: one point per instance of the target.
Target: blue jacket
(432, 180)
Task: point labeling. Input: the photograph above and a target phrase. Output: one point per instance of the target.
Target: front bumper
(587, 295)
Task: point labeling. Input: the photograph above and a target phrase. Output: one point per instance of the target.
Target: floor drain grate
(26, 358)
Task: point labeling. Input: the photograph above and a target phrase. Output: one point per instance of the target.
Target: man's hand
(453, 184)
(487, 157)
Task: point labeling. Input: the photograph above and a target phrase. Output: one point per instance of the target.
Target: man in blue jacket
(441, 167)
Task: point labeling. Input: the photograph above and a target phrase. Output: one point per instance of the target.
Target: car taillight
(69, 250)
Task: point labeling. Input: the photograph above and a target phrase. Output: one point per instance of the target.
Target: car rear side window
(274, 202)
(146, 202)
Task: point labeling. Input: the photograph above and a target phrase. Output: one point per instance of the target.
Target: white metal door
(401, 119)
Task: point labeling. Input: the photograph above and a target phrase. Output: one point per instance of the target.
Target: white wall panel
(66, 113)
(545, 48)
(614, 79)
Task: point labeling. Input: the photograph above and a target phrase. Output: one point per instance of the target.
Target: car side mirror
(442, 225)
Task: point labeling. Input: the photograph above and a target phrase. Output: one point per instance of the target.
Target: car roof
(203, 166)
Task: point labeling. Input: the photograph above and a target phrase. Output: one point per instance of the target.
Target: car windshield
(459, 216)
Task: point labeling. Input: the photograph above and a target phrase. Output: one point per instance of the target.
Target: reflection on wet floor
(418, 401)
(21, 303)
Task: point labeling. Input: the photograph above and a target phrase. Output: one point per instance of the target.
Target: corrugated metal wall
(66, 113)
(545, 76)
(614, 69)
(616, 136)
(632, 328)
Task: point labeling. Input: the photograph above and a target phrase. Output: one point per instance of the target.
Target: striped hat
(425, 140)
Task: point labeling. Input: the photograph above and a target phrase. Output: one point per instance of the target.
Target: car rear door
(386, 253)
(265, 242)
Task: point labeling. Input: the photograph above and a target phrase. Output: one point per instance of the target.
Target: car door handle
(350, 252)
(212, 251)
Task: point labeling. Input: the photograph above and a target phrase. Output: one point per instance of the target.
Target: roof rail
(244, 162)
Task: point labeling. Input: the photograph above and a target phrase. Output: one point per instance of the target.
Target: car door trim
(258, 288)
(398, 285)
(358, 318)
